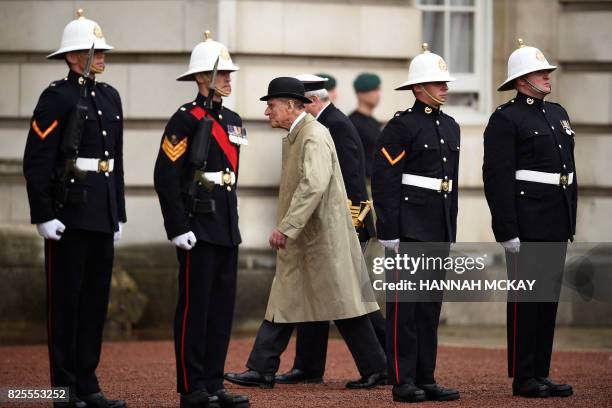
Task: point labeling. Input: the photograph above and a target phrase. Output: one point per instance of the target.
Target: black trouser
(531, 324)
(203, 320)
(412, 326)
(272, 340)
(78, 269)
(311, 343)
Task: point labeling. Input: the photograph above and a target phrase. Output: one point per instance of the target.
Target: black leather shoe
(251, 378)
(434, 392)
(73, 402)
(556, 390)
(529, 388)
(297, 376)
(199, 399)
(408, 393)
(98, 400)
(227, 400)
(370, 381)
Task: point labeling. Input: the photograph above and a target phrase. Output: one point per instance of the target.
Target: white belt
(221, 178)
(97, 165)
(557, 179)
(429, 183)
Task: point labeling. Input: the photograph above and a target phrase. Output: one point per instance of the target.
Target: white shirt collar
(296, 121)
(321, 111)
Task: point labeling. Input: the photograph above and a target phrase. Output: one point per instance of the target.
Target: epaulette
(187, 106)
(402, 113)
(509, 103)
(59, 82)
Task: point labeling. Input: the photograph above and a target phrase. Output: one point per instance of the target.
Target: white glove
(512, 245)
(117, 234)
(51, 229)
(390, 244)
(185, 241)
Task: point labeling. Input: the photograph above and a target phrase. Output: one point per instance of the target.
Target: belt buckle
(563, 180)
(102, 166)
(445, 186)
(226, 180)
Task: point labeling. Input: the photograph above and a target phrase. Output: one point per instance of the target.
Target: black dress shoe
(251, 378)
(227, 400)
(556, 390)
(408, 393)
(434, 392)
(297, 376)
(529, 388)
(199, 399)
(98, 400)
(370, 381)
(73, 402)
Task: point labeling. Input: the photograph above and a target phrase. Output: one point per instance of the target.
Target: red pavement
(143, 373)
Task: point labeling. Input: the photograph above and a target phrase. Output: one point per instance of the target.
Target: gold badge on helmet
(224, 54)
(98, 31)
(442, 65)
(540, 56)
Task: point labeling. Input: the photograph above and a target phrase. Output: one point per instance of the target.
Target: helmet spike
(80, 13)
(425, 47)
(520, 42)
(207, 35)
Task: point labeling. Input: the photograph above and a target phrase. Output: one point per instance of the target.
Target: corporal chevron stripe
(174, 151)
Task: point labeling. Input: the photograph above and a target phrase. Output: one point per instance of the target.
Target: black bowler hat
(286, 87)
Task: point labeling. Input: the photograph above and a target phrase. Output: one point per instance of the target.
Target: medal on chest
(567, 127)
(237, 135)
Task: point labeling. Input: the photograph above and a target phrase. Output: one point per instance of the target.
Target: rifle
(71, 142)
(199, 148)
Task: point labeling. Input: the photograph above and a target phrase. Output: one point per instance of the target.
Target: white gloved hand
(117, 234)
(392, 244)
(185, 241)
(512, 245)
(51, 229)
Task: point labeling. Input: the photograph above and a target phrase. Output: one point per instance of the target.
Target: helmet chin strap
(218, 92)
(433, 98)
(535, 88)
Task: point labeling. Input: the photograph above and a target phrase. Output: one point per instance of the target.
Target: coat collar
(201, 101)
(298, 127)
(425, 108)
(529, 100)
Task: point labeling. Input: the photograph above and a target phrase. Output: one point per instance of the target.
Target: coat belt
(97, 165)
(430, 183)
(557, 179)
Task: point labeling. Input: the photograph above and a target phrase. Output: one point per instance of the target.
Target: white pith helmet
(80, 34)
(426, 67)
(203, 57)
(523, 61)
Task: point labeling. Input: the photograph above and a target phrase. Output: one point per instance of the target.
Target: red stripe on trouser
(514, 328)
(49, 310)
(185, 383)
(397, 380)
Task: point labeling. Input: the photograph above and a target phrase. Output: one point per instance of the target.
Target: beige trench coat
(321, 274)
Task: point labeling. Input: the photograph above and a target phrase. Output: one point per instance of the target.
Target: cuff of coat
(289, 230)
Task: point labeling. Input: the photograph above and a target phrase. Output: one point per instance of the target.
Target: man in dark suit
(530, 184)
(367, 90)
(311, 346)
(414, 186)
(203, 225)
(77, 202)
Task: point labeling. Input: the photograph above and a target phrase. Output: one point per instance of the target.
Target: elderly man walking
(320, 272)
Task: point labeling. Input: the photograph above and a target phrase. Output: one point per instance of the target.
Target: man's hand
(51, 229)
(185, 241)
(277, 239)
(117, 234)
(392, 244)
(512, 245)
